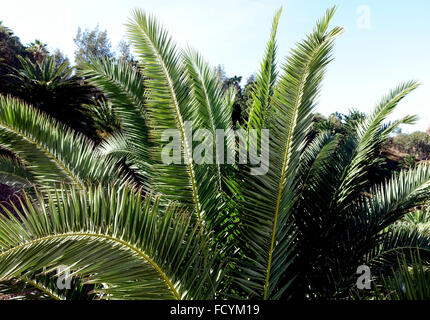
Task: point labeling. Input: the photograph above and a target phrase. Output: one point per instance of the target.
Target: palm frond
(410, 280)
(265, 82)
(396, 242)
(124, 86)
(44, 286)
(370, 136)
(13, 173)
(169, 107)
(51, 152)
(269, 198)
(391, 200)
(112, 237)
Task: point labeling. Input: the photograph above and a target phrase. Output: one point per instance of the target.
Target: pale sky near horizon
(386, 42)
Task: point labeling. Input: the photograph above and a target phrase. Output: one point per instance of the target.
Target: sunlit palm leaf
(265, 82)
(369, 139)
(269, 198)
(112, 237)
(49, 150)
(124, 86)
(169, 107)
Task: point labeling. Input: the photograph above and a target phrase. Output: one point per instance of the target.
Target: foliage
(137, 228)
(117, 247)
(10, 48)
(92, 43)
(53, 88)
(39, 50)
(103, 116)
(409, 162)
(338, 122)
(60, 57)
(409, 281)
(416, 144)
(243, 96)
(124, 52)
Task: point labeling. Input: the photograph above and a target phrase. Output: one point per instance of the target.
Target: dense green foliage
(53, 88)
(130, 226)
(416, 144)
(10, 48)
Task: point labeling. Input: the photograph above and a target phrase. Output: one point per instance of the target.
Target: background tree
(10, 48)
(60, 57)
(54, 89)
(416, 144)
(92, 43)
(38, 49)
(124, 52)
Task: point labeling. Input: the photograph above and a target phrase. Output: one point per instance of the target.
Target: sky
(386, 41)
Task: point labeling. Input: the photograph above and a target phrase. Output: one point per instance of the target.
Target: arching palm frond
(265, 84)
(169, 107)
(112, 237)
(51, 152)
(13, 173)
(124, 86)
(269, 198)
(370, 137)
(44, 286)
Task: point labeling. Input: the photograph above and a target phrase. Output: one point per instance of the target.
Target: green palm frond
(410, 280)
(169, 107)
(269, 198)
(103, 115)
(319, 148)
(13, 173)
(47, 72)
(212, 113)
(265, 82)
(112, 237)
(398, 241)
(391, 200)
(124, 86)
(419, 216)
(370, 136)
(43, 286)
(51, 152)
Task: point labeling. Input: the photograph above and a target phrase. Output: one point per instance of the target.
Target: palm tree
(38, 49)
(10, 48)
(135, 228)
(54, 89)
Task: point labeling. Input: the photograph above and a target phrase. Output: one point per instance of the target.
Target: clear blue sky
(370, 58)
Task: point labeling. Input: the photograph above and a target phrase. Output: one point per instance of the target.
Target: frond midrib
(40, 287)
(303, 78)
(211, 117)
(180, 123)
(129, 246)
(45, 151)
